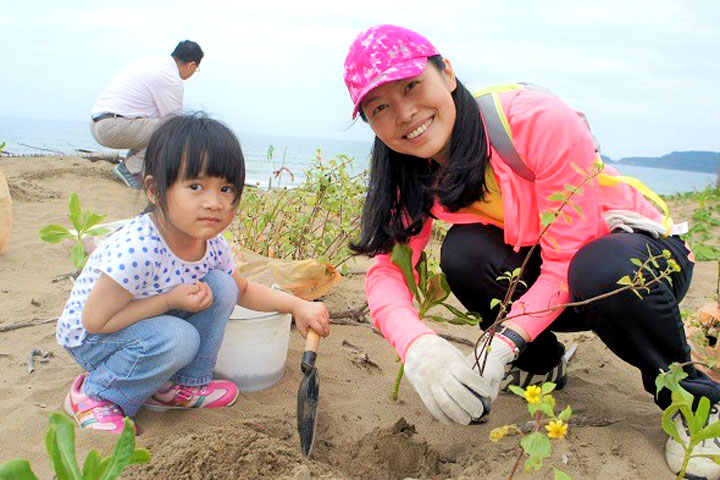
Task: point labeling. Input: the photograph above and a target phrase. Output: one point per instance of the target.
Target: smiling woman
(433, 160)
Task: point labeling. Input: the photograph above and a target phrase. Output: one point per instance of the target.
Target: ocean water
(24, 136)
(38, 137)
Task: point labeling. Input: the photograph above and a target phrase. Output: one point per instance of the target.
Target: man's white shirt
(150, 87)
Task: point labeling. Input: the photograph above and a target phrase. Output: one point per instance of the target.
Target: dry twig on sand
(359, 357)
(26, 323)
(575, 421)
(356, 316)
(41, 352)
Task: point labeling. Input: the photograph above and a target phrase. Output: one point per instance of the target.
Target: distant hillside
(695, 161)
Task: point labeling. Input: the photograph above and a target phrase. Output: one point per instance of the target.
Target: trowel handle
(311, 341)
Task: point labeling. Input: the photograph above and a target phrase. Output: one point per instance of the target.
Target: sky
(646, 73)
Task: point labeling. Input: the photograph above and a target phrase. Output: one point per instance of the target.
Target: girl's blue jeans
(126, 367)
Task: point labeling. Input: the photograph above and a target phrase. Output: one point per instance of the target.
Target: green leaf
(517, 391)
(122, 453)
(75, 213)
(494, 303)
(91, 220)
(441, 319)
(475, 317)
(91, 467)
(711, 431)
(702, 413)
(17, 469)
(55, 233)
(63, 436)
(715, 458)
(54, 454)
(402, 257)
(537, 446)
(547, 387)
(547, 218)
(626, 280)
(77, 256)
(660, 382)
(438, 289)
(560, 475)
(636, 261)
(453, 310)
(102, 231)
(545, 408)
(565, 414)
(668, 424)
(557, 197)
(140, 456)
(422, 270)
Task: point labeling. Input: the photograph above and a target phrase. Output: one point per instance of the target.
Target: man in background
(135, 103)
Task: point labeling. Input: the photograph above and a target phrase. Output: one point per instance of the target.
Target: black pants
(646, 333)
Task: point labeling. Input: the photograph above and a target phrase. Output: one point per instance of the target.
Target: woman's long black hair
(402, 188)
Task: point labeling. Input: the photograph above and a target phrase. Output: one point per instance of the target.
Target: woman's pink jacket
(550, 137)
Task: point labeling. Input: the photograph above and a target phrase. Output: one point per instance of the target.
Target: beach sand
(360, 432)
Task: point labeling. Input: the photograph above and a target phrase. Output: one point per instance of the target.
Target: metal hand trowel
(308, 394)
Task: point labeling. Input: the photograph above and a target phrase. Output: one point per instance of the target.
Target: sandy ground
(360, 432)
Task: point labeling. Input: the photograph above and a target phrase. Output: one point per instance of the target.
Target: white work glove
(501, 354)
(630, 222)
(444, 380)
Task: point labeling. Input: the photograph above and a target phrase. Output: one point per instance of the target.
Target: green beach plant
(84, 224)
(311, 221)
(536, 444)
(698, 428)
(60, 444)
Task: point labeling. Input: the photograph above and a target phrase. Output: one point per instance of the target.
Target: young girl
(147, 314)
(432, 159)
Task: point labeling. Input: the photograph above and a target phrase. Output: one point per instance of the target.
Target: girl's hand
(311, 315)
(190, 298)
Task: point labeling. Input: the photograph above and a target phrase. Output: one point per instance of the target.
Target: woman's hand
(311, 315)
(447, 385)
(190, 298)
(502, 351)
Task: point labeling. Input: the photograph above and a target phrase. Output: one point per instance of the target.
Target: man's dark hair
(188, 51)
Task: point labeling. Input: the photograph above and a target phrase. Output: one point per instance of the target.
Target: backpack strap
(499, 130)
(501, 139)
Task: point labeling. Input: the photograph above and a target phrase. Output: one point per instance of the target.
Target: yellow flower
(499, 433)
(532, 394)
(556, 429)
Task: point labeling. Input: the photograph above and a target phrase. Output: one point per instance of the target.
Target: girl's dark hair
(202, 145)
(402, 188)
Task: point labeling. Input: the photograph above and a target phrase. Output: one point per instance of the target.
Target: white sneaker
(698, 468)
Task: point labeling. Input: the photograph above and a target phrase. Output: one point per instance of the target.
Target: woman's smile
(419, 130)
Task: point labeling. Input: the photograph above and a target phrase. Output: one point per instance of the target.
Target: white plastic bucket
(254, 350)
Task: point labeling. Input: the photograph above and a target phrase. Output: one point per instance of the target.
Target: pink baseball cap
(382, 54)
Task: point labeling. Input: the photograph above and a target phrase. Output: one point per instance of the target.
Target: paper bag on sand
(307, 279)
